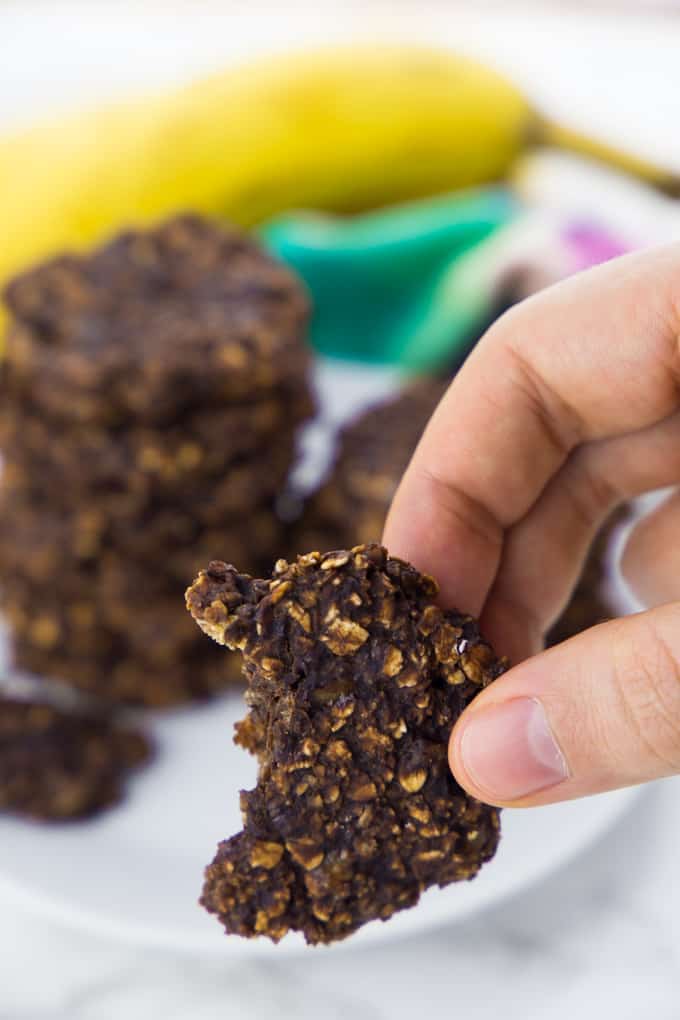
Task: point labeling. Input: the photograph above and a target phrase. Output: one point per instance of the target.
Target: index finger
(593, 357)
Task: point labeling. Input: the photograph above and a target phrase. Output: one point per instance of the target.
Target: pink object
(589, 245)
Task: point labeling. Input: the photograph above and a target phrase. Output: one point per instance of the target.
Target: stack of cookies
(151, 395)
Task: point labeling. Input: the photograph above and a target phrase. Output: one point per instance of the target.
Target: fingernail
(509, 751)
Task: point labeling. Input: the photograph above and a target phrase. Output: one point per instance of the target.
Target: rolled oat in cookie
(355, 679)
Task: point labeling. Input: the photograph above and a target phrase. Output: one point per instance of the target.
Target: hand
(569, 405)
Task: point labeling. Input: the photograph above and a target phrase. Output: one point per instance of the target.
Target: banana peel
(340, 129)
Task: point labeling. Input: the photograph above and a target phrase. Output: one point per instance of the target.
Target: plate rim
(134, 934)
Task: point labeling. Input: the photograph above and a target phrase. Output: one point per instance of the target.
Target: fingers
(598, 712)
(651, 559)
(544, 553)
(594, 357)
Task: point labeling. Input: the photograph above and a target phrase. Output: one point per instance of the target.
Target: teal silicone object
(383, 283)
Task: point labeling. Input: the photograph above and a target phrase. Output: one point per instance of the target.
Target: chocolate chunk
(185, 315)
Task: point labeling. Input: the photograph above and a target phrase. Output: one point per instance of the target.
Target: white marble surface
(602, 937)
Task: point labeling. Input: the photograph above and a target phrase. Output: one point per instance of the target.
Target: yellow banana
(340, 129)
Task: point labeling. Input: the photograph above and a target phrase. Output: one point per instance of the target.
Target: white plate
(135, 874)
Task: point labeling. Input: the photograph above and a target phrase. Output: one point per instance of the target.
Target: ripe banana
(339, 129)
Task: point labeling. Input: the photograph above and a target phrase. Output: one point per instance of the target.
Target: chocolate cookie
(56, 765)
(355, 679)
(151, 397)
(157, 321)
(208, 444)
(373, 453)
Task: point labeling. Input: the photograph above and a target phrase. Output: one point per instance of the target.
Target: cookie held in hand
(355, 679)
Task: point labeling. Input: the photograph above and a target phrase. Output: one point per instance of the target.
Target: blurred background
(416, 195)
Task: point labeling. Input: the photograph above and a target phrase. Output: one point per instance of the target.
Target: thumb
(595, 713)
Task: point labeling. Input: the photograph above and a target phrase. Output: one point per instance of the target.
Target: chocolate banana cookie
(151, 394)
(355, 679)
(373, 453)
(56, 766)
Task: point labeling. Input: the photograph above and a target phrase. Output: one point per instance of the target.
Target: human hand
(569, 405)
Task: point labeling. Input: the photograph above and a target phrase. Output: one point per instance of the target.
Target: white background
(600, 939)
